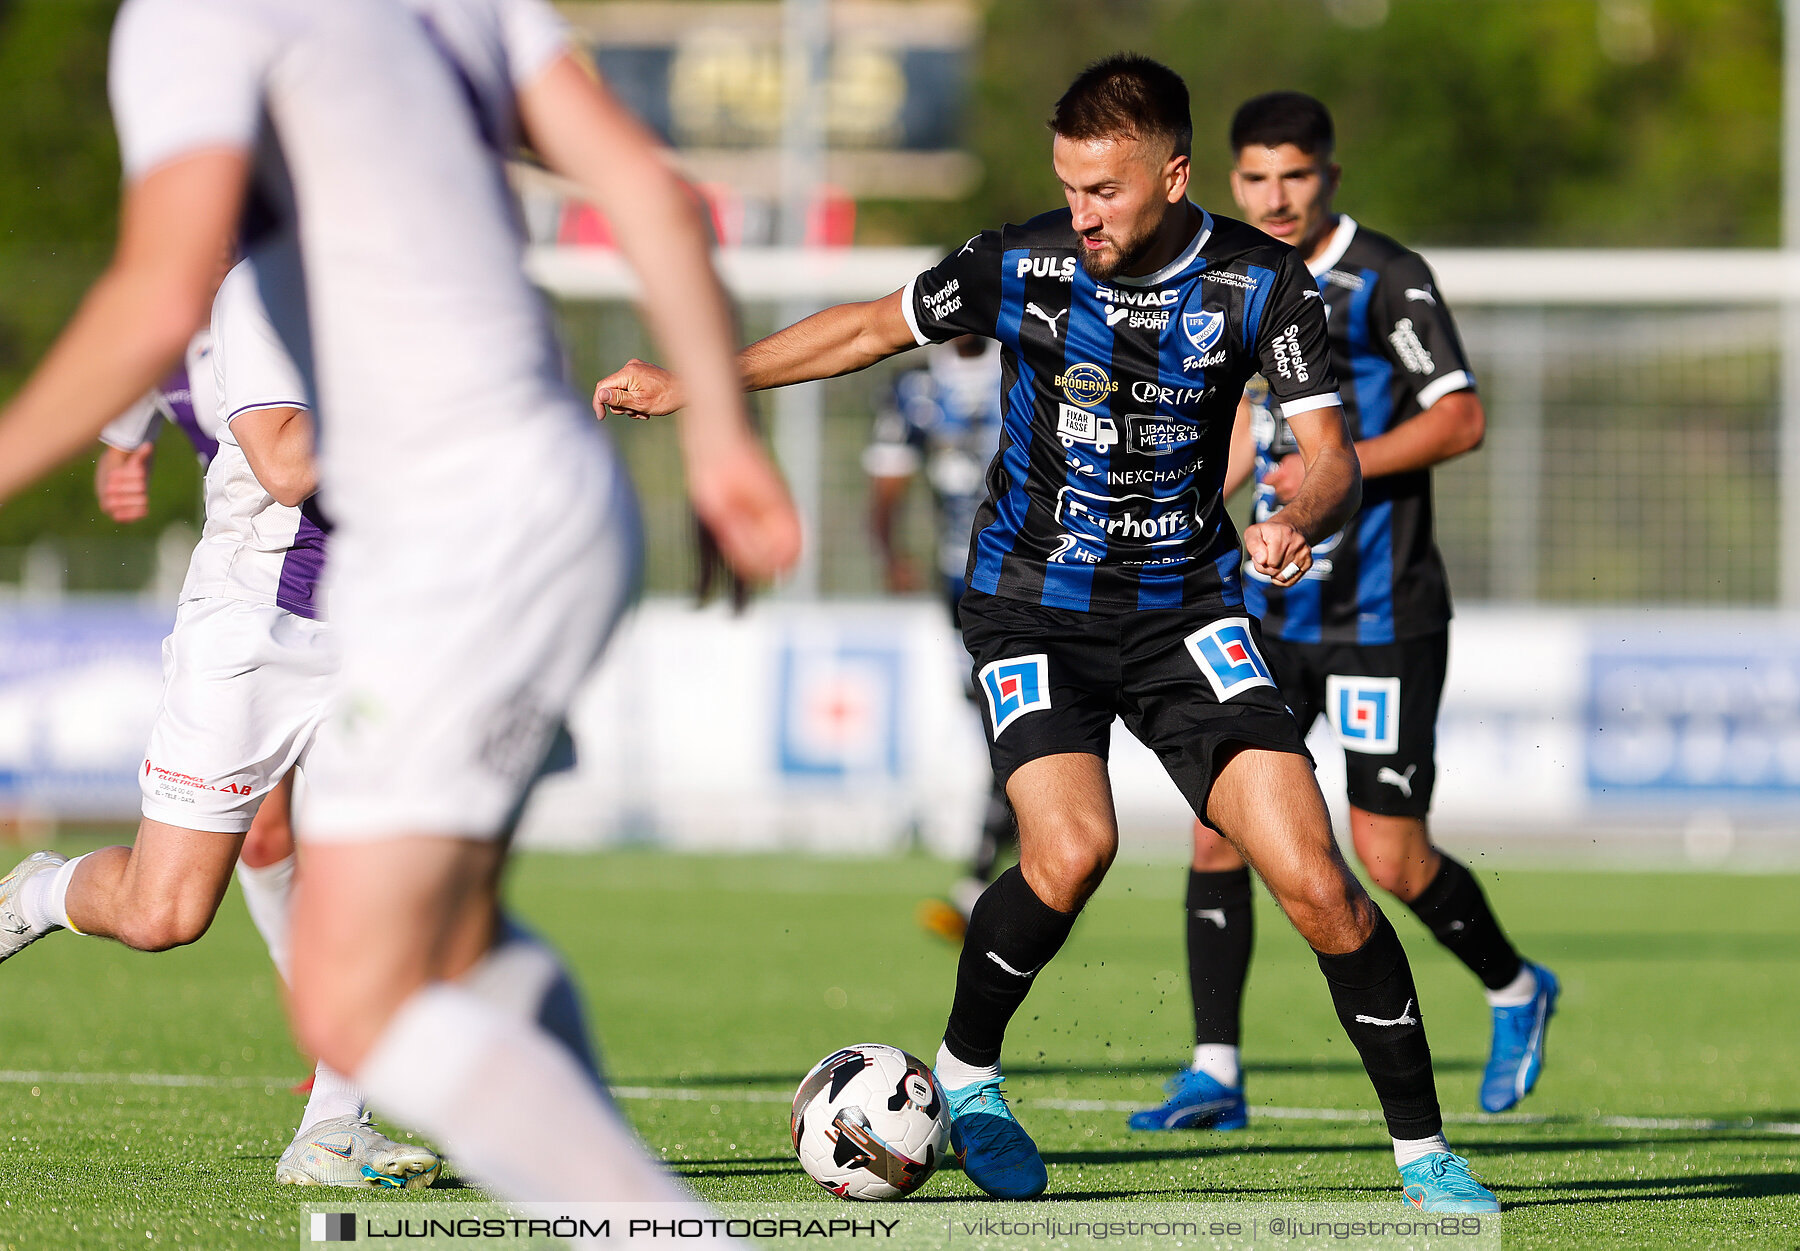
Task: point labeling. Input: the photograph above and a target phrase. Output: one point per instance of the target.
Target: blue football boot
(993, 1148)
(1517, 1055)
(1442, 1182)
(1196, 1101)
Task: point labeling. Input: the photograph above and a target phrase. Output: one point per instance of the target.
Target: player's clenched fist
(638, 390)
(742, 500)
(1278, 551)
(122, 482)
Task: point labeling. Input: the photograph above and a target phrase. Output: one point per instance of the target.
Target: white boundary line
(688, 1094)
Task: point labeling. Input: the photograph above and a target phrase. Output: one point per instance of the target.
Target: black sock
(1219, 921)
(1454, 909)
(1372, 989)
(997, 830)
(1012, 934)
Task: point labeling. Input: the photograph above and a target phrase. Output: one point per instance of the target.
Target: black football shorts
(1382, 704)
(1185, 683)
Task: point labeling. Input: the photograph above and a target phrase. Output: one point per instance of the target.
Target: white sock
(333, 1095)
(268, 892)
(953, 1074)
(1219, 1062)
(1406, 1150)
(44, 898)
(1516, 993)
(509, 1104)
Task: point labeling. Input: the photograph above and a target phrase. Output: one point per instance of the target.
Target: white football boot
(350, 1151)
(16, 933)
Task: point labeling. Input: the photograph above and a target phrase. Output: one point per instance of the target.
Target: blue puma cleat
(1442, 1182)
(1196, 1101)
(993, 1148)
(1517, 1055)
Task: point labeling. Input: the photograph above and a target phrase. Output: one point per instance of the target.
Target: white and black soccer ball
(870, 1122)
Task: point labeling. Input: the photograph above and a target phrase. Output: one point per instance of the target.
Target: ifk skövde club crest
(1203, 329)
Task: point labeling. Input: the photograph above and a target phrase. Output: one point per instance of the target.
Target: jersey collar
(1334, 252)
(1179, 263)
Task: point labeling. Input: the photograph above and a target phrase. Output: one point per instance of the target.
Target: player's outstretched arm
(583, 132)
(135, 320)
(1281, 547)
(278, 443)
(835, 341)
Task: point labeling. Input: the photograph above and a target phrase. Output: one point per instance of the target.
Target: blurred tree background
(1552, 123)
(1608, 123)
(59, 196)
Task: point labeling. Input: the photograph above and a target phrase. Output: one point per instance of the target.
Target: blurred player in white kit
(486, 536)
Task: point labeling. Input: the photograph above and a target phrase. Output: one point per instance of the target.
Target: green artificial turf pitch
(714, 983)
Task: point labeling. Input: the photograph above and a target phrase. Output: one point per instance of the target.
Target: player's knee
(1396, 852)
(1079, 865)
(162, 924)
(1386, 871)
(268, 842)
(1324, 905)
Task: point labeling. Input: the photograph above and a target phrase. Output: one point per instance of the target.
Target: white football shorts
(245, 687)
(466, 631)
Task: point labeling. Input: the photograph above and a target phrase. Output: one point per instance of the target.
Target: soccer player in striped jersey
(1105, 579)
(1363, 637)
(485, 536)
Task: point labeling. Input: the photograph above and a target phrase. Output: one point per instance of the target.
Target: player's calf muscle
(1268, 804)
(150, 897)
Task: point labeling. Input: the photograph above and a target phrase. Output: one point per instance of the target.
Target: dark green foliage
(1474, 122)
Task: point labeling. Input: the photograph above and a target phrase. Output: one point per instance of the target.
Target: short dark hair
(1126, 95)
(1283, 117)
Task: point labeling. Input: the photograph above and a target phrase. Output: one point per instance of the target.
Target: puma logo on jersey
(1422, 294)
(1405, 1018)
(1049, 319)
(1215, 915)
(969, 246)
(1009, 968)
(1401, 780)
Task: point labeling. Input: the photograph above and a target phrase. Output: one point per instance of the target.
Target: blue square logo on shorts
(1015, 687)
(1364, 713)
(1228, 657)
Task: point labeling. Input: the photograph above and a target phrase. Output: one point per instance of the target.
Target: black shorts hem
(1194, 776)
(1418, 807)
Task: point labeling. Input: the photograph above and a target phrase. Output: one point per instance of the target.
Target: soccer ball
(870, 1122)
